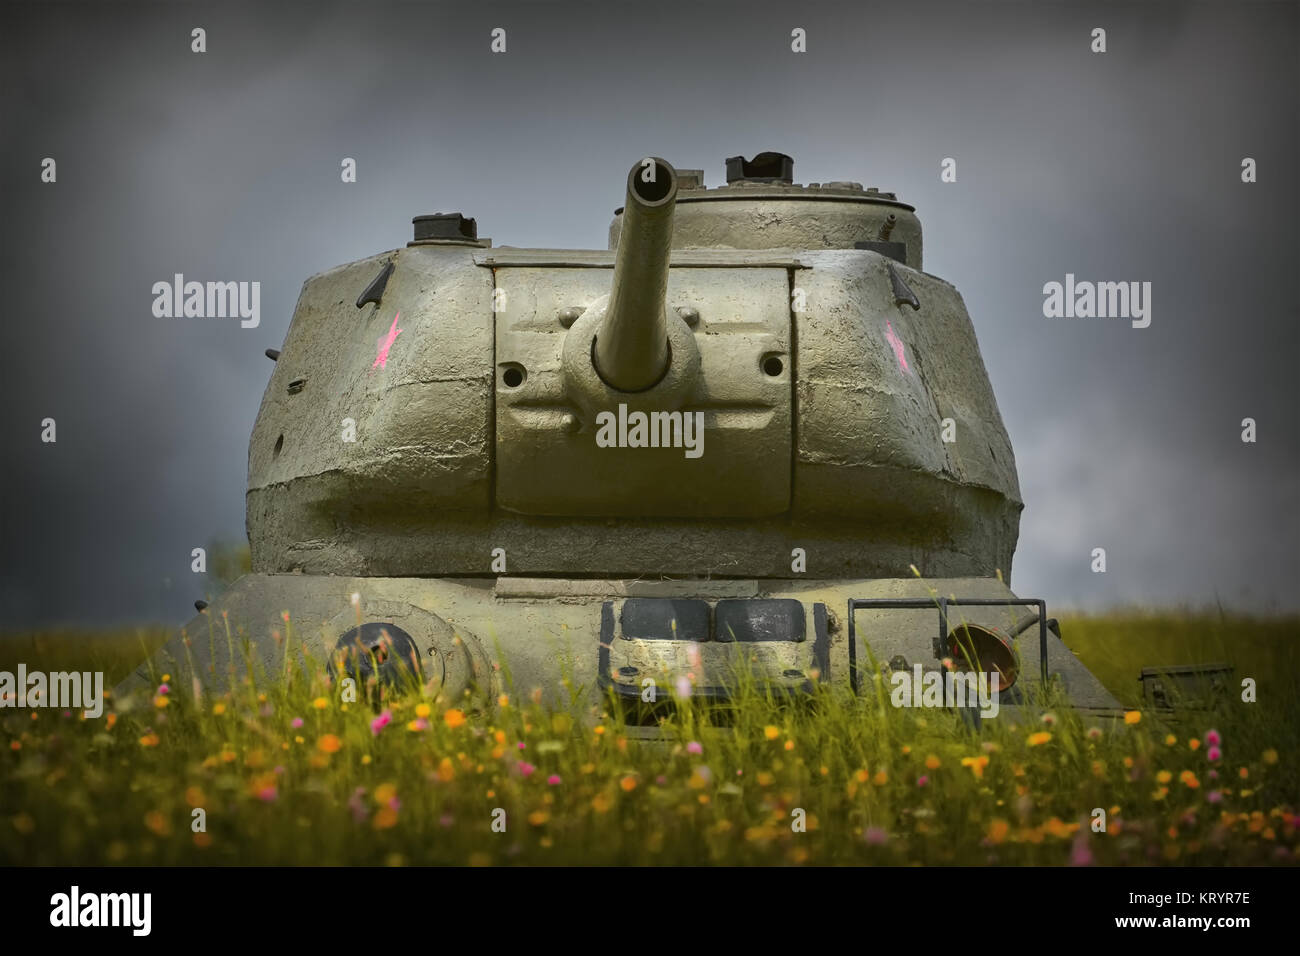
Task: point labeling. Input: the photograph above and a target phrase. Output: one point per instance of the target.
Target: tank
(753, 436)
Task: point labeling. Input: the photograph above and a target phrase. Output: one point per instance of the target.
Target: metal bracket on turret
(374, 293)
(901, 291)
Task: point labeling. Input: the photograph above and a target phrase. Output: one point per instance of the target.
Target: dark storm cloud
(225, 166)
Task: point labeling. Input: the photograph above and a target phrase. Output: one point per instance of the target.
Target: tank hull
(559, 635)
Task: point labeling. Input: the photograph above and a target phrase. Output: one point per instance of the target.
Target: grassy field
(1118, 645)
(284, 772)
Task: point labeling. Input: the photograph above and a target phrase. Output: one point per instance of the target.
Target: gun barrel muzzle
(631, 349)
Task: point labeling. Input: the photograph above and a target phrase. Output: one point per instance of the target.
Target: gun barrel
(631, 349)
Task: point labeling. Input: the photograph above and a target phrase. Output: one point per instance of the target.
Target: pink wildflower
(357, 805)
(1080, 853)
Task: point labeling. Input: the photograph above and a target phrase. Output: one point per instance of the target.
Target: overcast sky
(225, 165)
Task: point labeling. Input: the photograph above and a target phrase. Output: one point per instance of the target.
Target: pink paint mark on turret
(897, 343)
(386, 343)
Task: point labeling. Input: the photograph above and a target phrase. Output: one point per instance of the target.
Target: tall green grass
(285, 772)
